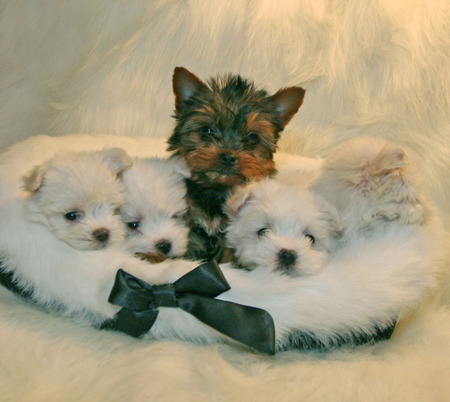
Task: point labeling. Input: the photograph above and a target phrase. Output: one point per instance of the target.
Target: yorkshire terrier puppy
(227, 131)
(281, 227)
(155, 203)
(77, 196)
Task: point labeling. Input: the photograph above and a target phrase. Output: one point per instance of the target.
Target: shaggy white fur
(377, 68)
(281, 227)
(78, 207)
(154, 207)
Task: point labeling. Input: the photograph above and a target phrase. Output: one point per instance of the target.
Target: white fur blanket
(98, 66)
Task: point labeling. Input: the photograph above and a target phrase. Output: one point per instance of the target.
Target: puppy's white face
(153, 211)
(77, 196)
(281, 227)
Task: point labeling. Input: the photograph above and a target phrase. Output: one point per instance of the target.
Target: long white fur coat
(369, 68)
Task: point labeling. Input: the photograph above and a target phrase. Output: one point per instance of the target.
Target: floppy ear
(241, 196)
(34, 180)
(185, 84)
(117, 160)
(287, 102)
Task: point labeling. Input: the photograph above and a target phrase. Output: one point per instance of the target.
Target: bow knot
(195, 294)
(165, 295)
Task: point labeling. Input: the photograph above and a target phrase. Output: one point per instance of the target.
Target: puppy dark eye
(72, 216)
(133, 225)
(311, 238)
(207, 133)
(262, 232)
(252, 138)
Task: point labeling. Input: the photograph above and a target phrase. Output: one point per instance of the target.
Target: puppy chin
(146, 244)
(207, 169)
(230, 180)
(214, 178)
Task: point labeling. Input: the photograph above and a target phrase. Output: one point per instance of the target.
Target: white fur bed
(370, 68)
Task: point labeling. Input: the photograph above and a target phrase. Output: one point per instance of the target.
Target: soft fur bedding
(378, 68)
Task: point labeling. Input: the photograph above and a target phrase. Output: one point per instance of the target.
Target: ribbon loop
(194, 293)
(207, 279)
(131, 292)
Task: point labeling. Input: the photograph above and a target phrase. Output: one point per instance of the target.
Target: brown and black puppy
(227, 131)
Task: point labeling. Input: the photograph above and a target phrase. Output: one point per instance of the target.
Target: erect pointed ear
(117, 160)
(34, 180)
(287, 102)
(185, 84)
(241, 196)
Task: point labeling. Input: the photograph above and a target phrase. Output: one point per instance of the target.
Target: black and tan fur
(227, 131)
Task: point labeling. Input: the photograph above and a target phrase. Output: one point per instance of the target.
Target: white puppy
(279, 226)
(154, 208)
(61, 237)
(77, 195)
(372, 183)
(386, 268)
(366, 285)
(362, 291)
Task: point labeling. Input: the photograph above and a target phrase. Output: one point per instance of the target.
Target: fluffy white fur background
(100, 66)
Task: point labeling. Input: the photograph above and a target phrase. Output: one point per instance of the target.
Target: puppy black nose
(163, 246)
(227, 159)
(102, 234)
(287, 257)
